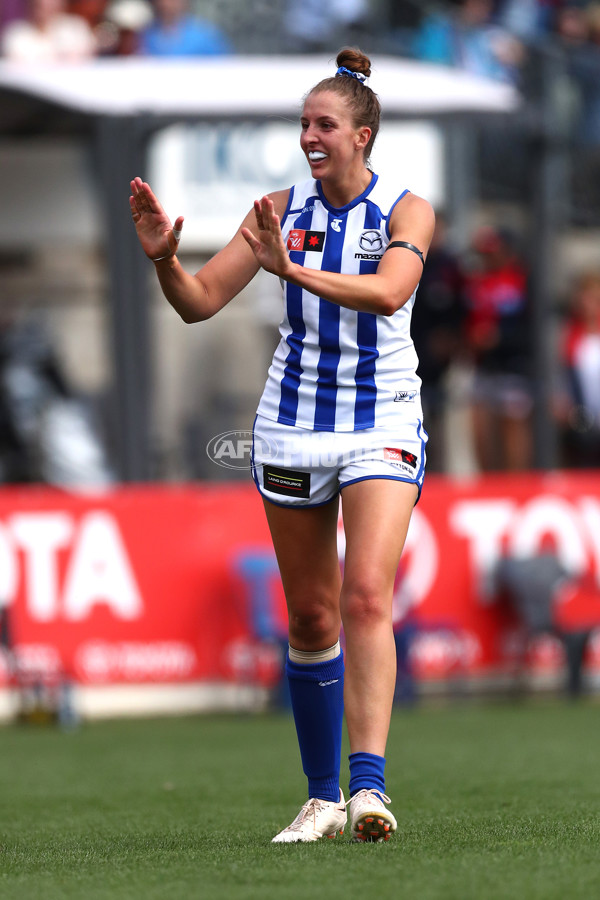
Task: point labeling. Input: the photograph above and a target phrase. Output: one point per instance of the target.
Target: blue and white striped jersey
(336, 369)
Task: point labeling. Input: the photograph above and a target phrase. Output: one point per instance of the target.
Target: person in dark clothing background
(498, 340)
(436, 331)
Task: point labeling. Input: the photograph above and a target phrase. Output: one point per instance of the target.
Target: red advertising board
(179, 584)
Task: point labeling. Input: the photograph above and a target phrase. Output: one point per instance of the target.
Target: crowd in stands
(497, 39)
(486, 37)
(472, 310)
(75, 30)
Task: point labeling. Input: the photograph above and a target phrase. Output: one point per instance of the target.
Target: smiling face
(332, 144)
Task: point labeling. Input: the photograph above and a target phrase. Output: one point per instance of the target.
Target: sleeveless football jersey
(336, 369)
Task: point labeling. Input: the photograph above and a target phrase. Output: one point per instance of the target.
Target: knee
(365, 603)
(314, 625)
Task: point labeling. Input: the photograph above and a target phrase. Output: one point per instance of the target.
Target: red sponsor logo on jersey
(296, 240)
(397, 455)
(302, 240)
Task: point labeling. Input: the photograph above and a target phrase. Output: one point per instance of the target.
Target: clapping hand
(159, 239)
(268, 247)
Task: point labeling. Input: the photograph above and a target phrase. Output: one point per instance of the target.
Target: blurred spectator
(315, 26)
(48, 34)
(12, 9)
(497, 331)
(534, 586)
(399, 24)
(47, 432)
(578, 35)
(127, 19)
(585, 68)
(436, 330)
(468, 39)
(579, 411)
(175, 32)
(106, 33)
(528, 20)
(570, 23)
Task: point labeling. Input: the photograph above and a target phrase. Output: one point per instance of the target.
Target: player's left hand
(268, 247)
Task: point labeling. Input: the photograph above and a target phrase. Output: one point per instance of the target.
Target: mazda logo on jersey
(306, 240)
(371, 241)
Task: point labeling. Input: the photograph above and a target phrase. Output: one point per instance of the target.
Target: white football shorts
(295, 466)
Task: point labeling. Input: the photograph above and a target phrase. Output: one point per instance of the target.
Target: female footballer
(342, 406)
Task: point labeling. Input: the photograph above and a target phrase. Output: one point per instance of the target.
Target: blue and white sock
(316, 683)
(367, 770)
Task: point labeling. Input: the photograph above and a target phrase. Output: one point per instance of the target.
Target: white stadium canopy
(243, 85)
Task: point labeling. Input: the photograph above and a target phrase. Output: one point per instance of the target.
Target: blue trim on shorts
(384, 478)
(421, 473)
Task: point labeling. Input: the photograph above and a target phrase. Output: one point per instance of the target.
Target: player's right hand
(153, 226)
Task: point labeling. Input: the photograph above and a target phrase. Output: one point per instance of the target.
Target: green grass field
(493, 802)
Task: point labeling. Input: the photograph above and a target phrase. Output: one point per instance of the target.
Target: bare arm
(384, 292)
(200, 296)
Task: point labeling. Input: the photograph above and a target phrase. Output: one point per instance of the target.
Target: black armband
(408, 247)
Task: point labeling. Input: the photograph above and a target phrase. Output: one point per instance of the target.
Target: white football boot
(316, 819)
(369, 819)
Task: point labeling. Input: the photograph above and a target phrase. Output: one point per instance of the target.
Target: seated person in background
(48, 35)
(175, 32)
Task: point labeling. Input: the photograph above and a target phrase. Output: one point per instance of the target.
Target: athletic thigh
(376, 516)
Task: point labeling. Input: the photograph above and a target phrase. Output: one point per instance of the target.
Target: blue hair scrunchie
(350, 74)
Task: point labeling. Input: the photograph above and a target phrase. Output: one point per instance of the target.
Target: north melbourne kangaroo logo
(371, 241)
